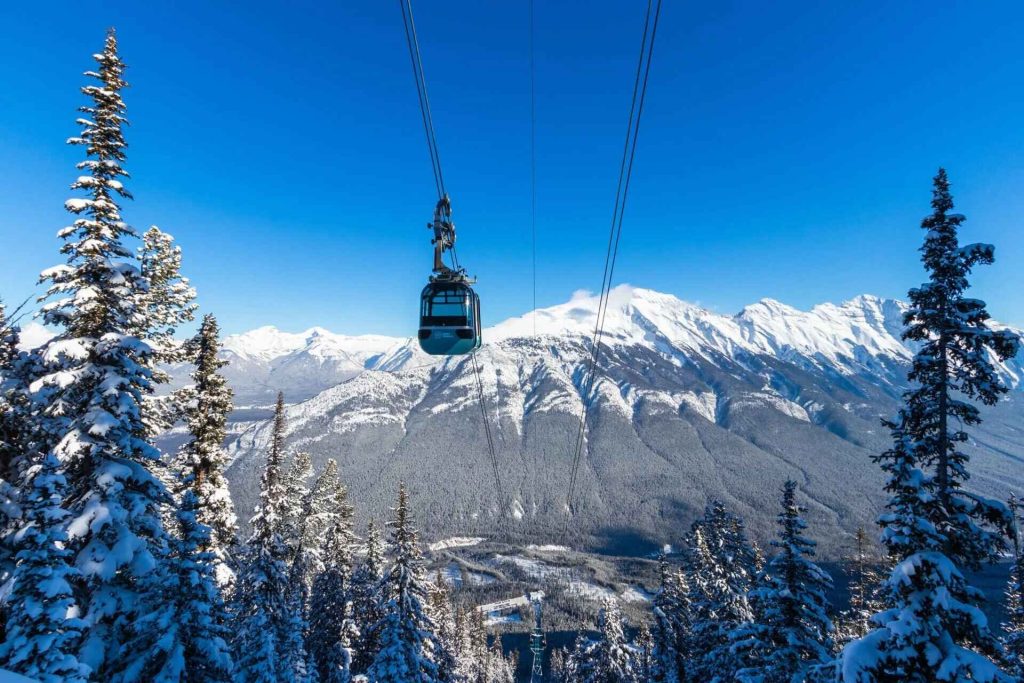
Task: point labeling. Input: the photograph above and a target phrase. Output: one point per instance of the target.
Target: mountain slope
(688, 405)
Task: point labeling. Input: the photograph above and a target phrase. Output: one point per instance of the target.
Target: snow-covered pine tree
(557, 667)
(865, 582)
(298, 507)
(672, 619)
(207, 656)
(1013, 627)
(264, 643)
(720, 570)
(18, 445)
(187, 636)
(332, 630)
(15, 407)
(42, 635)
(500, 668)
(203, 458)
(607, 659)
(793, 633)
(328, 505)
(643, 645)
(933, 528)
(443, 617)
(169, 301)
(97, 373)
(405, 634)
(297, 510)
(366, 599)
(166, 304)
(472, 650)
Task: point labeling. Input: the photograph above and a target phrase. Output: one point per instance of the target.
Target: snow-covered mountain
(266, 360)
(689, 404)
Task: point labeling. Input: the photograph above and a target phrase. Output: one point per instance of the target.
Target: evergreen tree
(42, 637)
(332, 629)
(16, 410)
(792, 633)
(500, 669)
(206, 654)
(672, 620)
(17, 440)
(473, 652)
(934, 630)
(408, 647)
(96, 374)
(366, 599)
(167, 302)
(328, 506)
(185, 635)
(203, 458)
(333, 632)
(443, 618)
(644, 647)
(865, 582)
(1013, 628)
(721, 565)
(298, 508)
(266, 621)
(607, 659)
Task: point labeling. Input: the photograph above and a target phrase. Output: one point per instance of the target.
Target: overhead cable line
(421, 91)
(533, 167)
(412, 40)
(615, 234)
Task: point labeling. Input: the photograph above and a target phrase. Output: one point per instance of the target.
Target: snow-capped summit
(861, 335)
(268, 343)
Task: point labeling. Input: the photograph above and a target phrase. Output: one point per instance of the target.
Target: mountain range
(688, 405)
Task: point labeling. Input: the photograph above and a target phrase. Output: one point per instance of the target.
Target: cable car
(449, 308)
(449, 319)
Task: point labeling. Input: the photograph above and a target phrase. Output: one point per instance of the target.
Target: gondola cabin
(449, 319)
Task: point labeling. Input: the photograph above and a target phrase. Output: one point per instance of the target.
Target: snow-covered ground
(456, 542)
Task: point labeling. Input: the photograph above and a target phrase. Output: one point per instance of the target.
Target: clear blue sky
(787, 149)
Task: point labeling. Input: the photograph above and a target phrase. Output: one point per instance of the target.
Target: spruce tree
(206, 654)
(500, 668)
(408, 646)
(1013, 627)
(366, 599)
(644, 647)
(793, 633)
(18, 438)
(443, 617)
(333, 632)
(202, 458)
(672, 620)
(266, 621)
(184, 636)
(607, 659)
(328, 506)
(298, 508)
(42, 638)
(865, 582)
(721, 565)
(167, 303)
(96, 375)
(933, 527)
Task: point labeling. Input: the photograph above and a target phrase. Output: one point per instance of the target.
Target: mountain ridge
(688, 405)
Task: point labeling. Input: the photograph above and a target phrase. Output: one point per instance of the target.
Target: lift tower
(537, 640)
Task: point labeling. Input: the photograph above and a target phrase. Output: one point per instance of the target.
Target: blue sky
(786, 151)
